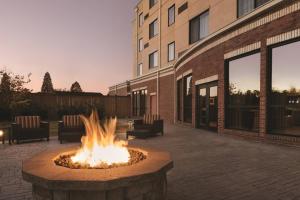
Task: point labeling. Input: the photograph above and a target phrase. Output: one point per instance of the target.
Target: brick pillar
(263, 90)
(221, 101)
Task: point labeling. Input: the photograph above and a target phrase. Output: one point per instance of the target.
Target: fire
(100, 146)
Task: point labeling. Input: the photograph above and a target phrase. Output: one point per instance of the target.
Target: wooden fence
(119, 106)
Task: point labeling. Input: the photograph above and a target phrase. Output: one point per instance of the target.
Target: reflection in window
(187, 103)
(284, 109)
(243, 93)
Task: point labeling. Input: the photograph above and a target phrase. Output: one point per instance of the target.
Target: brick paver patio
(207, 166)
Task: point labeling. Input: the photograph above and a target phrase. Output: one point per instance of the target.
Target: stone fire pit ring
(144, 180)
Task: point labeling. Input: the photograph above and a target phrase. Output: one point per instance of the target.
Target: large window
(171, 15)
(171, 51)
(152, 3)
(199, 27)
(284, 99)
(153, 29)
(153, 60)
(246, 6)
(141, 20)
(243, 93)
(187, 100)
(139, 102)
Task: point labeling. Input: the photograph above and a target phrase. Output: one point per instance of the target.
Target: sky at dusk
(88, 41)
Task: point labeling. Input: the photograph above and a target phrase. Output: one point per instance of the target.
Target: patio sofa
(29, 128)
(70, 128)
(149, 126)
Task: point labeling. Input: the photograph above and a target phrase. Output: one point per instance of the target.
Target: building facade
(231, 66)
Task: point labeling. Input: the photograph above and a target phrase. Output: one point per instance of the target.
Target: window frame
(226, 87)
(190, 27)
(152, 5)
(140, 69)
(149, 57)
(269, 79)
(141, 47)
(172, 7)
(171, 43)
(153, 23)
(141, 22)
(255, 7)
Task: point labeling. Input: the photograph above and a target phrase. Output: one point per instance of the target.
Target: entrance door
(207, 106)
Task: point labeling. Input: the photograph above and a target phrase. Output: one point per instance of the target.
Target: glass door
(207, 106)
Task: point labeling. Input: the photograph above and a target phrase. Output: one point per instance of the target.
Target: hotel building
(230, 66)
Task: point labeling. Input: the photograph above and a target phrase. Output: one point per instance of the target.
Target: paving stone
(206, 166)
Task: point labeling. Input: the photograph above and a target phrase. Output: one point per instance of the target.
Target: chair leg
(60, 141)
(48, 139)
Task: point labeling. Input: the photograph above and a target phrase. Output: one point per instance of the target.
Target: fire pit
(103, 169)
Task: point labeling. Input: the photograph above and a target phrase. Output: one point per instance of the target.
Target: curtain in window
(245, 6)
(204, 25)
(194, 30)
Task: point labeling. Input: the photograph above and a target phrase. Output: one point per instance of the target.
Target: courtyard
(206, 166)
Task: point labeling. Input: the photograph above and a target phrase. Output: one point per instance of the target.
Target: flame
(100, 146)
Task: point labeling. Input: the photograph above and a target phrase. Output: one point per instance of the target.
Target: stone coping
(41, 170)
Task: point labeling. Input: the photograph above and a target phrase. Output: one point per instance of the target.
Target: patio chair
(29, 128)
(149, 126)
(70, 128)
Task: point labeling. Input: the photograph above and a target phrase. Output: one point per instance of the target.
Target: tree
(13, 94)
(76, 87)
(47, 86)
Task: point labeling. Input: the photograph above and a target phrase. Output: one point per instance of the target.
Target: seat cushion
(28, 121)
(72, 121)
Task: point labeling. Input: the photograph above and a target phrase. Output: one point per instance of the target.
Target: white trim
(207, 80)
(152, 94)
(243, 50)
(283, 37)
(138, 89)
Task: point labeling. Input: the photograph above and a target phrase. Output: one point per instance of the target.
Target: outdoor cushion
(149, 119)
(28, 121)
(72, 121)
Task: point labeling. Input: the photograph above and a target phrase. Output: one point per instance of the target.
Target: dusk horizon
(72, 40)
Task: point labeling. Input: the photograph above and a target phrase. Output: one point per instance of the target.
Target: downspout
(159, 62)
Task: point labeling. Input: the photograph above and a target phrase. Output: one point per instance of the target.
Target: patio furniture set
(72, 129)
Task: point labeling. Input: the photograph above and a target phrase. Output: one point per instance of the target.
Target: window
(152, 3)
(171, 15)
(246, 6)
(171, 51)
(284, 99)
(139, 102)
(141, 20)
(199, 27)
(153, 60)
(153, 29)
(141, 45)
(140, 69)
(187, 99)
(243, 93)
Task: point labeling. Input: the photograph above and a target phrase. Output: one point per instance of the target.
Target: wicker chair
(149, 126)
(29, 128)
(70, 128)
